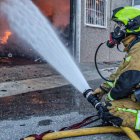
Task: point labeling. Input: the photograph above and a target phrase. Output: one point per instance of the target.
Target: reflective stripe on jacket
(128, 74)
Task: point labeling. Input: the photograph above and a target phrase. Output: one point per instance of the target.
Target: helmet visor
(118, 28)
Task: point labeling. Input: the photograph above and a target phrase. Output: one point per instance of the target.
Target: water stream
(28, 23)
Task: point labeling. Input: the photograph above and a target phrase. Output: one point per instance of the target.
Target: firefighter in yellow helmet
(122, 96)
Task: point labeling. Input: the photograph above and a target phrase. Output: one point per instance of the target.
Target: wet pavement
(16, 129)
(37, 111)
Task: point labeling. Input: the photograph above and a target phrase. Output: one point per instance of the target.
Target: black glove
(103, 112)
(108, 118)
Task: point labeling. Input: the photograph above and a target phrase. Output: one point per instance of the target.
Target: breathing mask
(117, 35)
(127, 21)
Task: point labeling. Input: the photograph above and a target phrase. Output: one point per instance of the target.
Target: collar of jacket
(127, 41)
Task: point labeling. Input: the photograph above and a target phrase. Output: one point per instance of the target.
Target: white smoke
(27, 22)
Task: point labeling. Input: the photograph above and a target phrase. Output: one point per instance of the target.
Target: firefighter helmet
(129, 16)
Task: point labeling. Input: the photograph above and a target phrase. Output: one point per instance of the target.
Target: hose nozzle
(87, 93)
(103, 113)
(93, 99)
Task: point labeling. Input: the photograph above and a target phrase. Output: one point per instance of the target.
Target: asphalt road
(37, 112)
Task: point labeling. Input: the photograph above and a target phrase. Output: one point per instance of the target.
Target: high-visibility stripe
(128, 58)
(128, 110)
(137, 125)
(114, 82)
(110, 84)
(109, 97)
(136, 113)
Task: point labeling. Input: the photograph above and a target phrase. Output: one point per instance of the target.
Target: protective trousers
(127, 110)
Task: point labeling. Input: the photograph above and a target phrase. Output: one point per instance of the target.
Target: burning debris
(4, 39)
(13, 47)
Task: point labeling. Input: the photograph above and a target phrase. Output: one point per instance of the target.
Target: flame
(5, 38)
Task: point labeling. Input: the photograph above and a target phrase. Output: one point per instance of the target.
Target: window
(136, 3)
(96, 13)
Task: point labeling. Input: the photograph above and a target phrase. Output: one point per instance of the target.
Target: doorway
(61, 14)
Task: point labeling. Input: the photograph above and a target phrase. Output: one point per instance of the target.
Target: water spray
(36, 30)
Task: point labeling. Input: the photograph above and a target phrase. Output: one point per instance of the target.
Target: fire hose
(109, 122)
(66, 132)
(74, 131)
(84, 132)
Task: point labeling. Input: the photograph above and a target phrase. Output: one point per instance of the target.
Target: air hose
(95, 61)
(96, 65)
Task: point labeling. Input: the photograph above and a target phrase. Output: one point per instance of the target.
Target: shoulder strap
(134, 42)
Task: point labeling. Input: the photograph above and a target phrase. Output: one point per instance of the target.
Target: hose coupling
(93, 99)
(87, 93)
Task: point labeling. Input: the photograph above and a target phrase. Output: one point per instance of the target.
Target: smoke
(15, 44)
(26, 21)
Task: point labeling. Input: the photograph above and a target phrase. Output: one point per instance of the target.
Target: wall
(91, 37)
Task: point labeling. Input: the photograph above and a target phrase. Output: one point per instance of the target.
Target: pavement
(35, 98)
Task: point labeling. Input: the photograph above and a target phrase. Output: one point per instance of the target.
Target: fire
(5, 38)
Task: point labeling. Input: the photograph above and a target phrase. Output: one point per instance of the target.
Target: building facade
(81, 24)
(84, 24)
(94, 26)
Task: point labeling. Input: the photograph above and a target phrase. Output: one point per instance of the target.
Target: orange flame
(5, 38)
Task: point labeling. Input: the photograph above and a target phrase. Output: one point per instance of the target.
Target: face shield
(117, 35)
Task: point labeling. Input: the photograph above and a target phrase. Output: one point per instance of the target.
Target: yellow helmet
(130, 17)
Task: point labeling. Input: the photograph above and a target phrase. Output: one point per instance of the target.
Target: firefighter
(122, 96)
